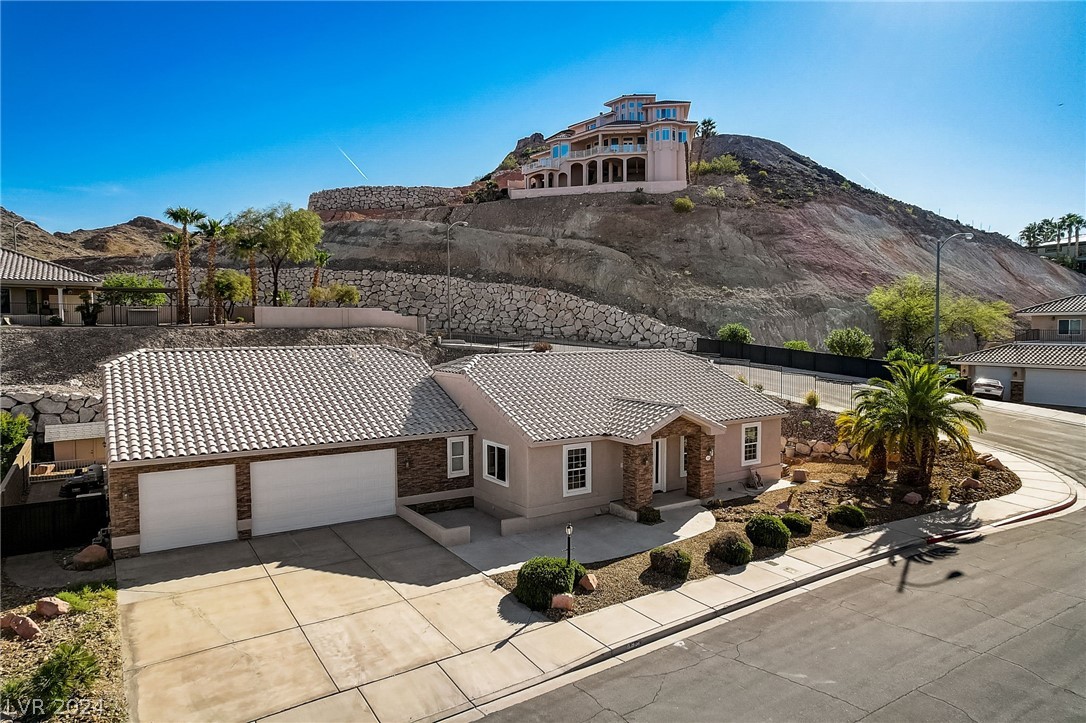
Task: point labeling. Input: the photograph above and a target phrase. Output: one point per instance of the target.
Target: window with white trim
(682, 456)
(576, 469)
(457, 454)
(496, 458)
(752, 443)
(1069, 326)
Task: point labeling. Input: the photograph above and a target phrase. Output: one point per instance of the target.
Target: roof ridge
(1049, 301)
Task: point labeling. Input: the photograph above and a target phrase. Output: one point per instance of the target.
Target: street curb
(625, 647)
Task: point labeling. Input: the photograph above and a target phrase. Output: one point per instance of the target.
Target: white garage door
(293, 494)
(187, 507)
(1003, 374)
(1061, 387)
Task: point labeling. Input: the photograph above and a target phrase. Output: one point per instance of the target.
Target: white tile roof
(15, 266)
(68, 432)
(1067, 305)
(163, 403)
(623, 393)
(1028, 354)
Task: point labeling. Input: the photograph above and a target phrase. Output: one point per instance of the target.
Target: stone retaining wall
(484, 308)
(45, 406)
(362, 198)
(816, 450)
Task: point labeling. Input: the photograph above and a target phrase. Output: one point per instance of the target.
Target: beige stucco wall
(729, 454)
(81, 449)
(1050, 323)
(546, 469)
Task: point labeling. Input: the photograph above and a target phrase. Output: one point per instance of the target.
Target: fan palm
(184, 217)
(1049, 231)
(212, 230)
(1073, 222)
(1030, 235)
(320, 260)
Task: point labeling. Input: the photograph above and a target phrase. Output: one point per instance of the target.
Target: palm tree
(185, 217)
(320, 260)
(911, 411)
(1030, 235)
(1050, 231)
(704, 131)
(864, 427)
(1074, 223)
(172, 241)
(246, 242)
(212, 230)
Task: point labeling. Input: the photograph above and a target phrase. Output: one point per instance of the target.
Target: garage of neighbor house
(1049, 374)
(207, 445)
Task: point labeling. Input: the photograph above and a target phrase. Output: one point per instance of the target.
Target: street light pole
(15, 234)
(448, 276)
(938, 260)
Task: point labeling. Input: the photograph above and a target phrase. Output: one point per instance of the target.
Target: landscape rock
(51, 607)
(821, 447)
(6, 619)
(995, 464)
(48, 405)
(90, 557)
(25, 628)
(562, 601)
(799, 475)
(971, 484)
(589, 582)
(913, 498)
(803, 449)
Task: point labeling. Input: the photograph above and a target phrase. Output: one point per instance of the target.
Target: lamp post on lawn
(938, 259)
(448, 276)
(569, 543)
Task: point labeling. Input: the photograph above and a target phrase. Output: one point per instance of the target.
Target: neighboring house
(208, 445)
(1068, 248)
(32, 290)
(79, 441)
(563, 434)
(640, 142)
(1046, 364)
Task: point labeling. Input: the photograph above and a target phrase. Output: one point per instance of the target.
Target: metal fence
(113, 315)
(519, 342)
(848, 366)
(793, 386)
(52, 525)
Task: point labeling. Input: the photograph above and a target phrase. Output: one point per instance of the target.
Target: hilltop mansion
(640, 142)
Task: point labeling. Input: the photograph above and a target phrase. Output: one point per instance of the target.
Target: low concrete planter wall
(444, 536)
(300, 317)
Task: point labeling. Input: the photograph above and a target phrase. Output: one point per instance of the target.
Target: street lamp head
(460, 223)
(569, 530)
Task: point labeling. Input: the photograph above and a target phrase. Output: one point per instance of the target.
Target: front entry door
(659, 465)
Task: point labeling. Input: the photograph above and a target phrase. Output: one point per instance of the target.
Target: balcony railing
(587, 153)
(1051, 335)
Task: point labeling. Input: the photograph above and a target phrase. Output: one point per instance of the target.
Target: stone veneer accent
(44, 406)
(484, 308)
(421, 468)
(637, 464)
(362, 198)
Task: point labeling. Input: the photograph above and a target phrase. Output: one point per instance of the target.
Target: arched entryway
(635, 169)
(576, 174)
(563, 180)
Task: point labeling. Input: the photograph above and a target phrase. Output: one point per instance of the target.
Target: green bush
(900, 353)
(649, 516)
(735, 332)
(797, 345)
(768, 531)
(853, 341)
(670, 561)
(55, 321)
(541, 578)
(845, 185)
(742, 178)
(847, 515)
(721, 165)
(796, 523)
(286, 298)
(89, 596)
(811, 399)
(133, 298)
(682, 204)
(715, 194)
(639, 198)
(763, 174)
(70, 669)
(13, 432)
(732, 549)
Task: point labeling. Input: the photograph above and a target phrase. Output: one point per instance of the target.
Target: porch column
(637, 475)
(700, 472)
(624, 176)
(60, 302)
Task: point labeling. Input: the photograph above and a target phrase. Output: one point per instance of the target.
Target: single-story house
(79, 441)
(31, 289)
(563, 434)
(207, 445)
(1032, 372)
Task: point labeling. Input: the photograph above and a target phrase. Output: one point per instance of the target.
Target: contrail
(352, 162)
(873, 185)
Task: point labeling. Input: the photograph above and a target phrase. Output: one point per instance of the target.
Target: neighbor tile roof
(1028, 354)
(1067, 305)
(15, 266)
(568, 395)
(164, 403)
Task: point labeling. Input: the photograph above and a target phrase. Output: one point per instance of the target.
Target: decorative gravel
(803, 422)
(832, 483)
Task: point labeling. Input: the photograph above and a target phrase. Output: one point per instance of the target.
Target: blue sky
(112, 110)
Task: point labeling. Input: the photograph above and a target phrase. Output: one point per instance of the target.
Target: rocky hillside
(139, 237)
(33, 239)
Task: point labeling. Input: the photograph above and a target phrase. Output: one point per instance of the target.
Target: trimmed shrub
(670, 561)
(900, 353)
(55, 321)
(742, 178)
(682, 204)
(735, 332)
(758, 387)
(715, 194)
(852, 341)
(541, 346)
(541, 578)
(13, 433)
(797, 345)
(847, 515)
(811, 399)
(768, 531)
(732, 549)
(796, 523)
(639, 198)
(649, 516)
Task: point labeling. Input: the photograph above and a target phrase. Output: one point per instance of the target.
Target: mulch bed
(803, 422)
(97, 630)
(832, 483)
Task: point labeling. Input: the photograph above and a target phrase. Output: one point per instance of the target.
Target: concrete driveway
(335, 623)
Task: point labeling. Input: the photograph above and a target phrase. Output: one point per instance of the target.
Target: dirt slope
(139, 237)
(34, 240)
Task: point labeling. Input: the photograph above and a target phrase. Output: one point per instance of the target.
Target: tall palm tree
(212, 230)
(1074, 223)
(320, 260)
(705, 130)
(1050, 231)
(1030, 235)
(911, 411)
(247, 241)
(172, 241)
(184, 217)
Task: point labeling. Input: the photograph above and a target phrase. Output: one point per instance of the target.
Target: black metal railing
(822, 363)
(1052, 335)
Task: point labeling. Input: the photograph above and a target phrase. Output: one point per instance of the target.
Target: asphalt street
(990, 630)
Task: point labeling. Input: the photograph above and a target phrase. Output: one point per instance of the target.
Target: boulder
(562, 601)
(52, 607)
(51, 406)
(913, 498)
(995, 464)
(841, 449)
(23, 410)
(26, 397)
(5, 621)
(25, 628)
(821, 447)
(90, 557)
(589, 582)
(799, 475)
(803, 449)
(970, 484)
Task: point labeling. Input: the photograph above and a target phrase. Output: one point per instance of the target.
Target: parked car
(983, 387)
(87, 479)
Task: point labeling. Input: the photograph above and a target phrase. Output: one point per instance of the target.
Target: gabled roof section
(569, 395)
(1028, 354)
(163, 403)
(1075, 304)
(15, 266)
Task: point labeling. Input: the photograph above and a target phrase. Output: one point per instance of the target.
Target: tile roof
(67, 432)
(568, 395)
(1067, 305)
(15, 266)
(164, 403)
(1028, 354)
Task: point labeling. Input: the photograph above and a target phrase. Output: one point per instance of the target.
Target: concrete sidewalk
(473, 683)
